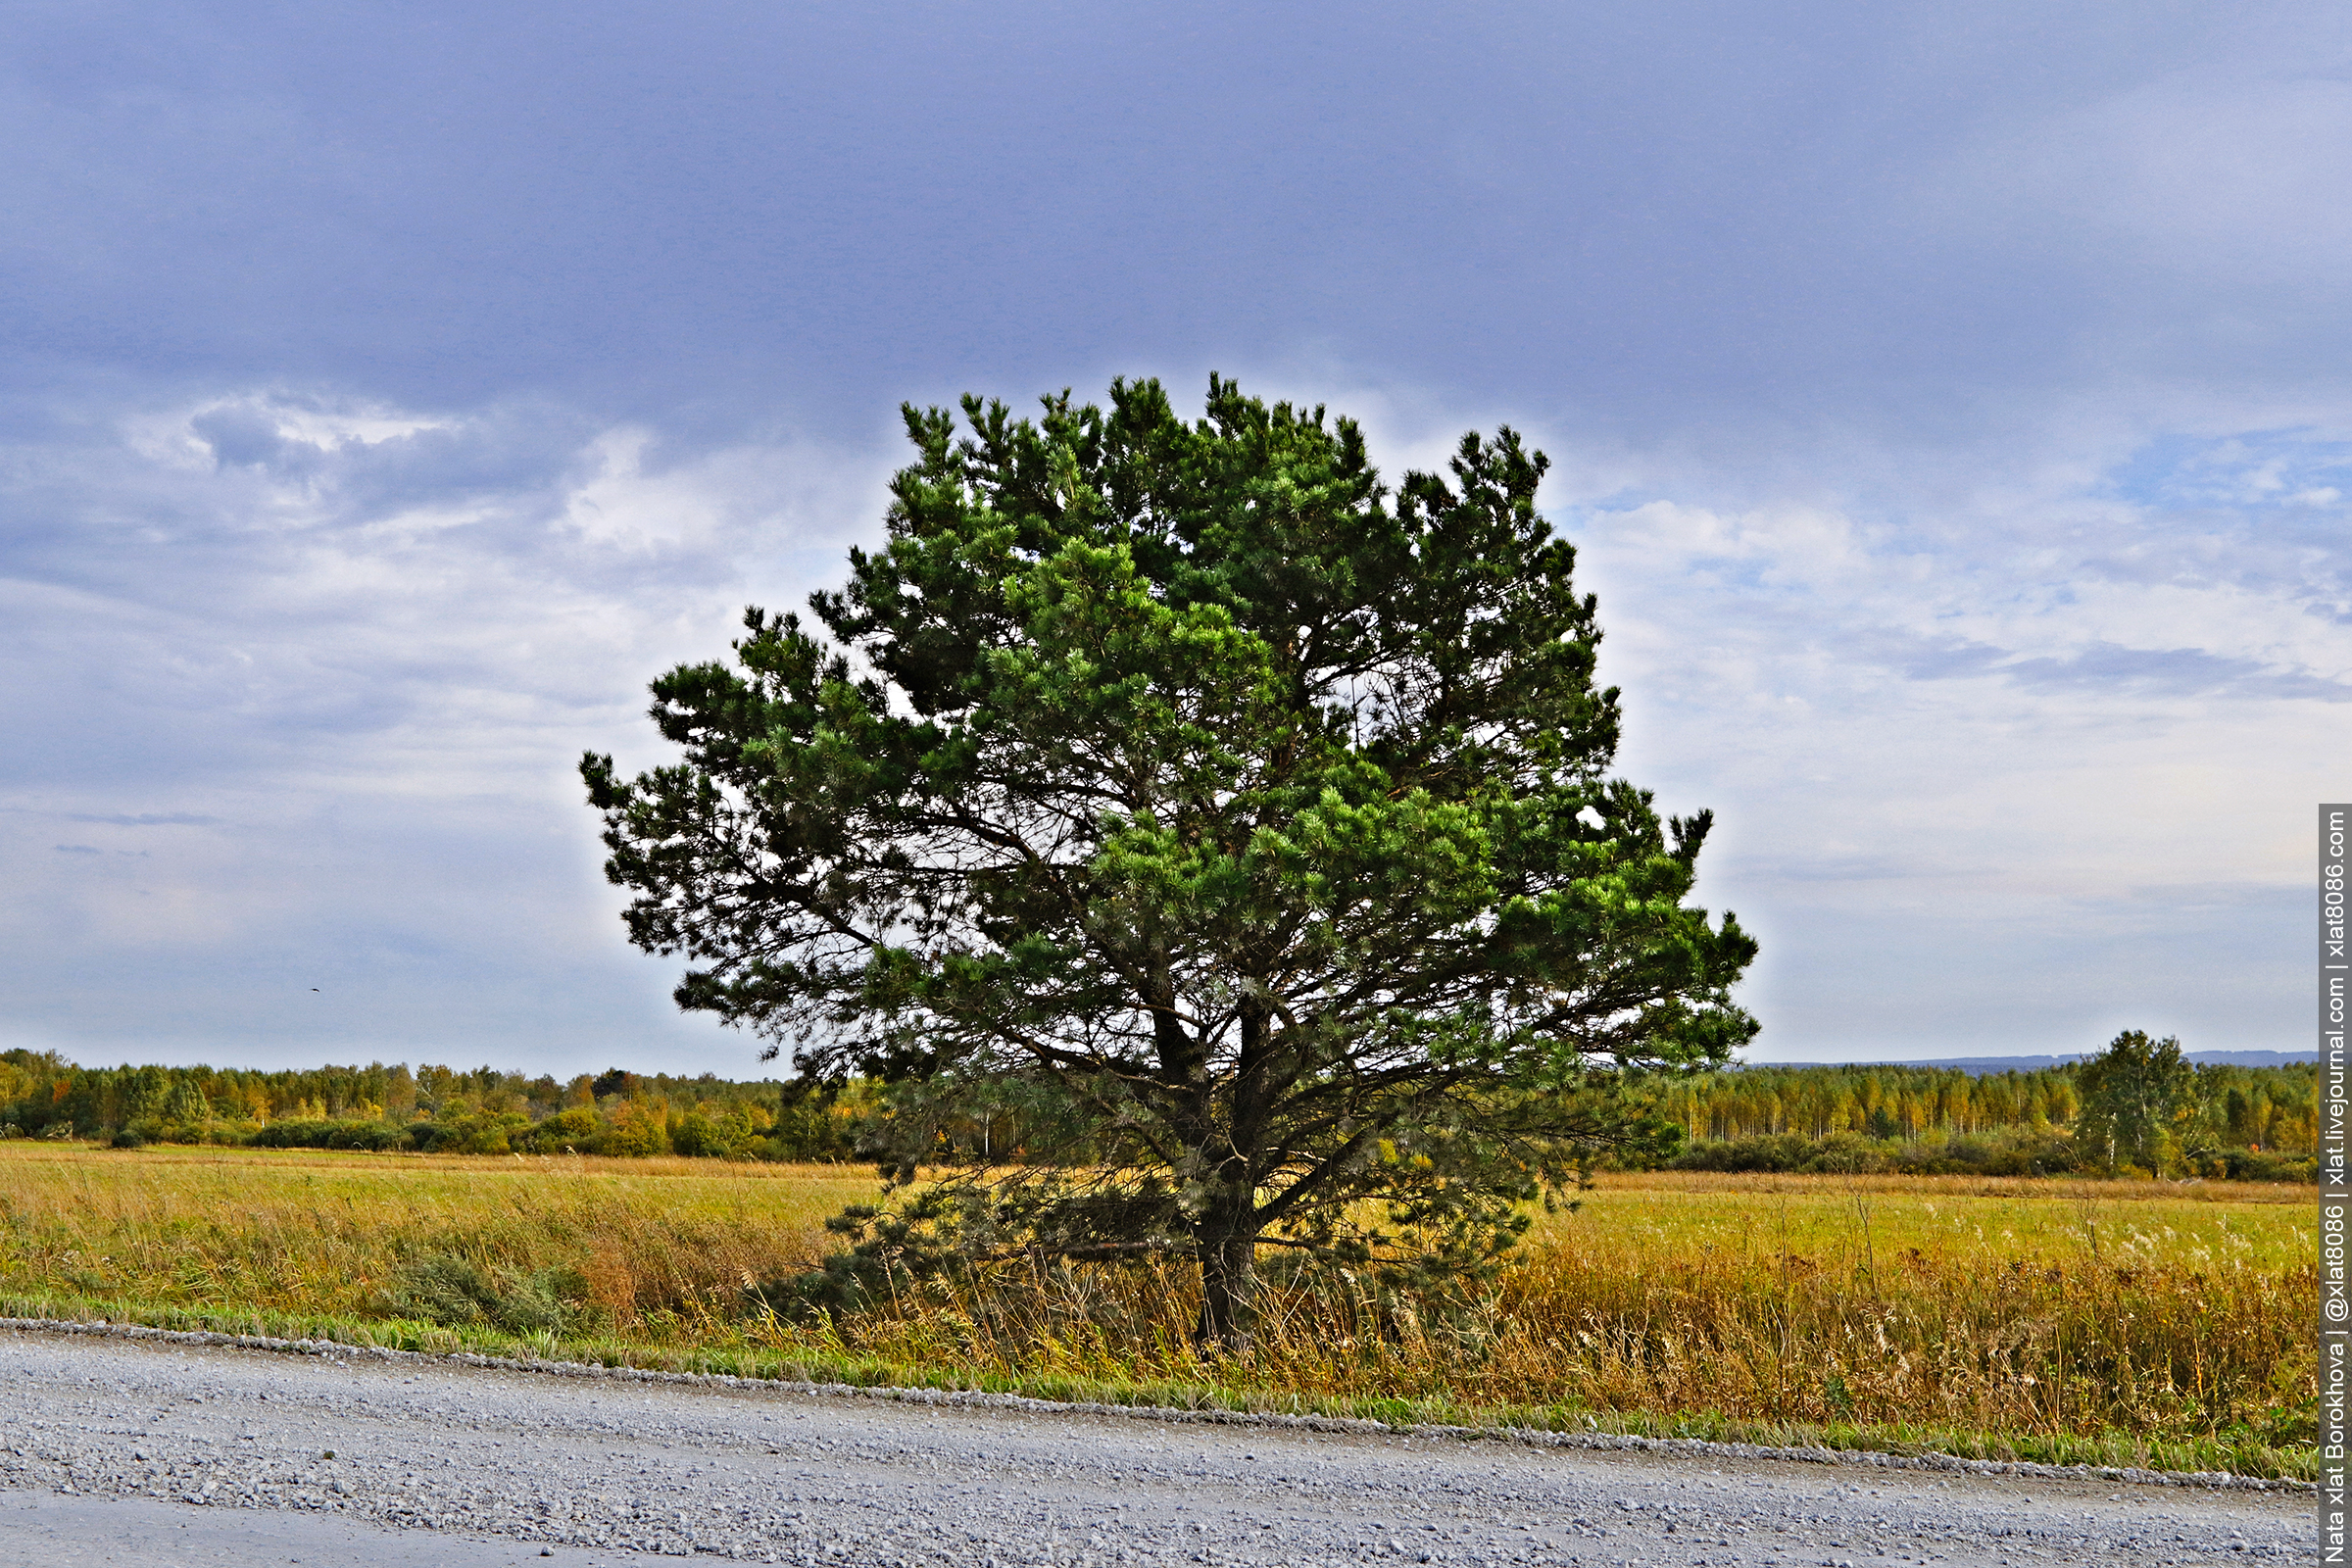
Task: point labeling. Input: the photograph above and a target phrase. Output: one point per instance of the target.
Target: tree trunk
(1227, 1233)
(1228, 1293)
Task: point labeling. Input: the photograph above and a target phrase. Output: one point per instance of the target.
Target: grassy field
(2115, 1322)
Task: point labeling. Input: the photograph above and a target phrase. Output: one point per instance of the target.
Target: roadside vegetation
(2066, 1320)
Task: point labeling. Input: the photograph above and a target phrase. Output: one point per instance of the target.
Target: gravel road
(144, 1451)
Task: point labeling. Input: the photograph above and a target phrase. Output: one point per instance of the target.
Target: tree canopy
(1245, 823)
(2140, 1103)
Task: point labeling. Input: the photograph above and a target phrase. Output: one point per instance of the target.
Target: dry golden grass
(2013, 1305)
(2195, 1224)
(2058, 1310)
(323, 1233)
(2124, 1320)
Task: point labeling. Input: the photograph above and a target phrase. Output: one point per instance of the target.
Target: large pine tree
(1248, 826)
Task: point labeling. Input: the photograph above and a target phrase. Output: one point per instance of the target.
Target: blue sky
(1953, 406)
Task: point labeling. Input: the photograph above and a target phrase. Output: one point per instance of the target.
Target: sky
(1951, 406)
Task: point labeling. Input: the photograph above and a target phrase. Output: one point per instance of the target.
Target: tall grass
(2138, 1322)
(1823, 1305)
(653, 1241)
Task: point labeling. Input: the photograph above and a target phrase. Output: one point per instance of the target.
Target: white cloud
(314, 705)
(1983, 784)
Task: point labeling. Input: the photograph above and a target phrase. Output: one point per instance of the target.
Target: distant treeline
(2260, 1122)
(430, 1109)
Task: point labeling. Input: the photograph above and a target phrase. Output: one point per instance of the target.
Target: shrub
(444, 1288)
(2011, 1151)
(547, 1300)
(2264, 1165)
(367, 1134)
(448, 1289)
(1838, 1154)
(636, 1129)
(484, 1134)
(577, 1130)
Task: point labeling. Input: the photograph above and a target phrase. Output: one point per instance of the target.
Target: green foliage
(432, 1108)
(723, 1135)
(890, 1251)
(1838, 1153)
(478, 1133)
(1242, 827)
(2013, 1152)
(1881, 1102)
(2140, 1106)
(576, 1131)
(367, 1134)
(827, 1121)
(2249, 1123)
(187, 1105)
(451, 1290)
(2259, 1165)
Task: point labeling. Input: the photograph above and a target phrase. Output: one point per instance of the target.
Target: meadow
(2065, 1320)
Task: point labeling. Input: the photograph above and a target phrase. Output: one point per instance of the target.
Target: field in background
(2059, 1319)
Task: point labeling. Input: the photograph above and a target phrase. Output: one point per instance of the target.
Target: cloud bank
(1952, 410)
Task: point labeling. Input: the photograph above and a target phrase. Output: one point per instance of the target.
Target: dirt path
(136, 1451)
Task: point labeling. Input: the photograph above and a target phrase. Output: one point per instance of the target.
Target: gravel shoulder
(144, 1450)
